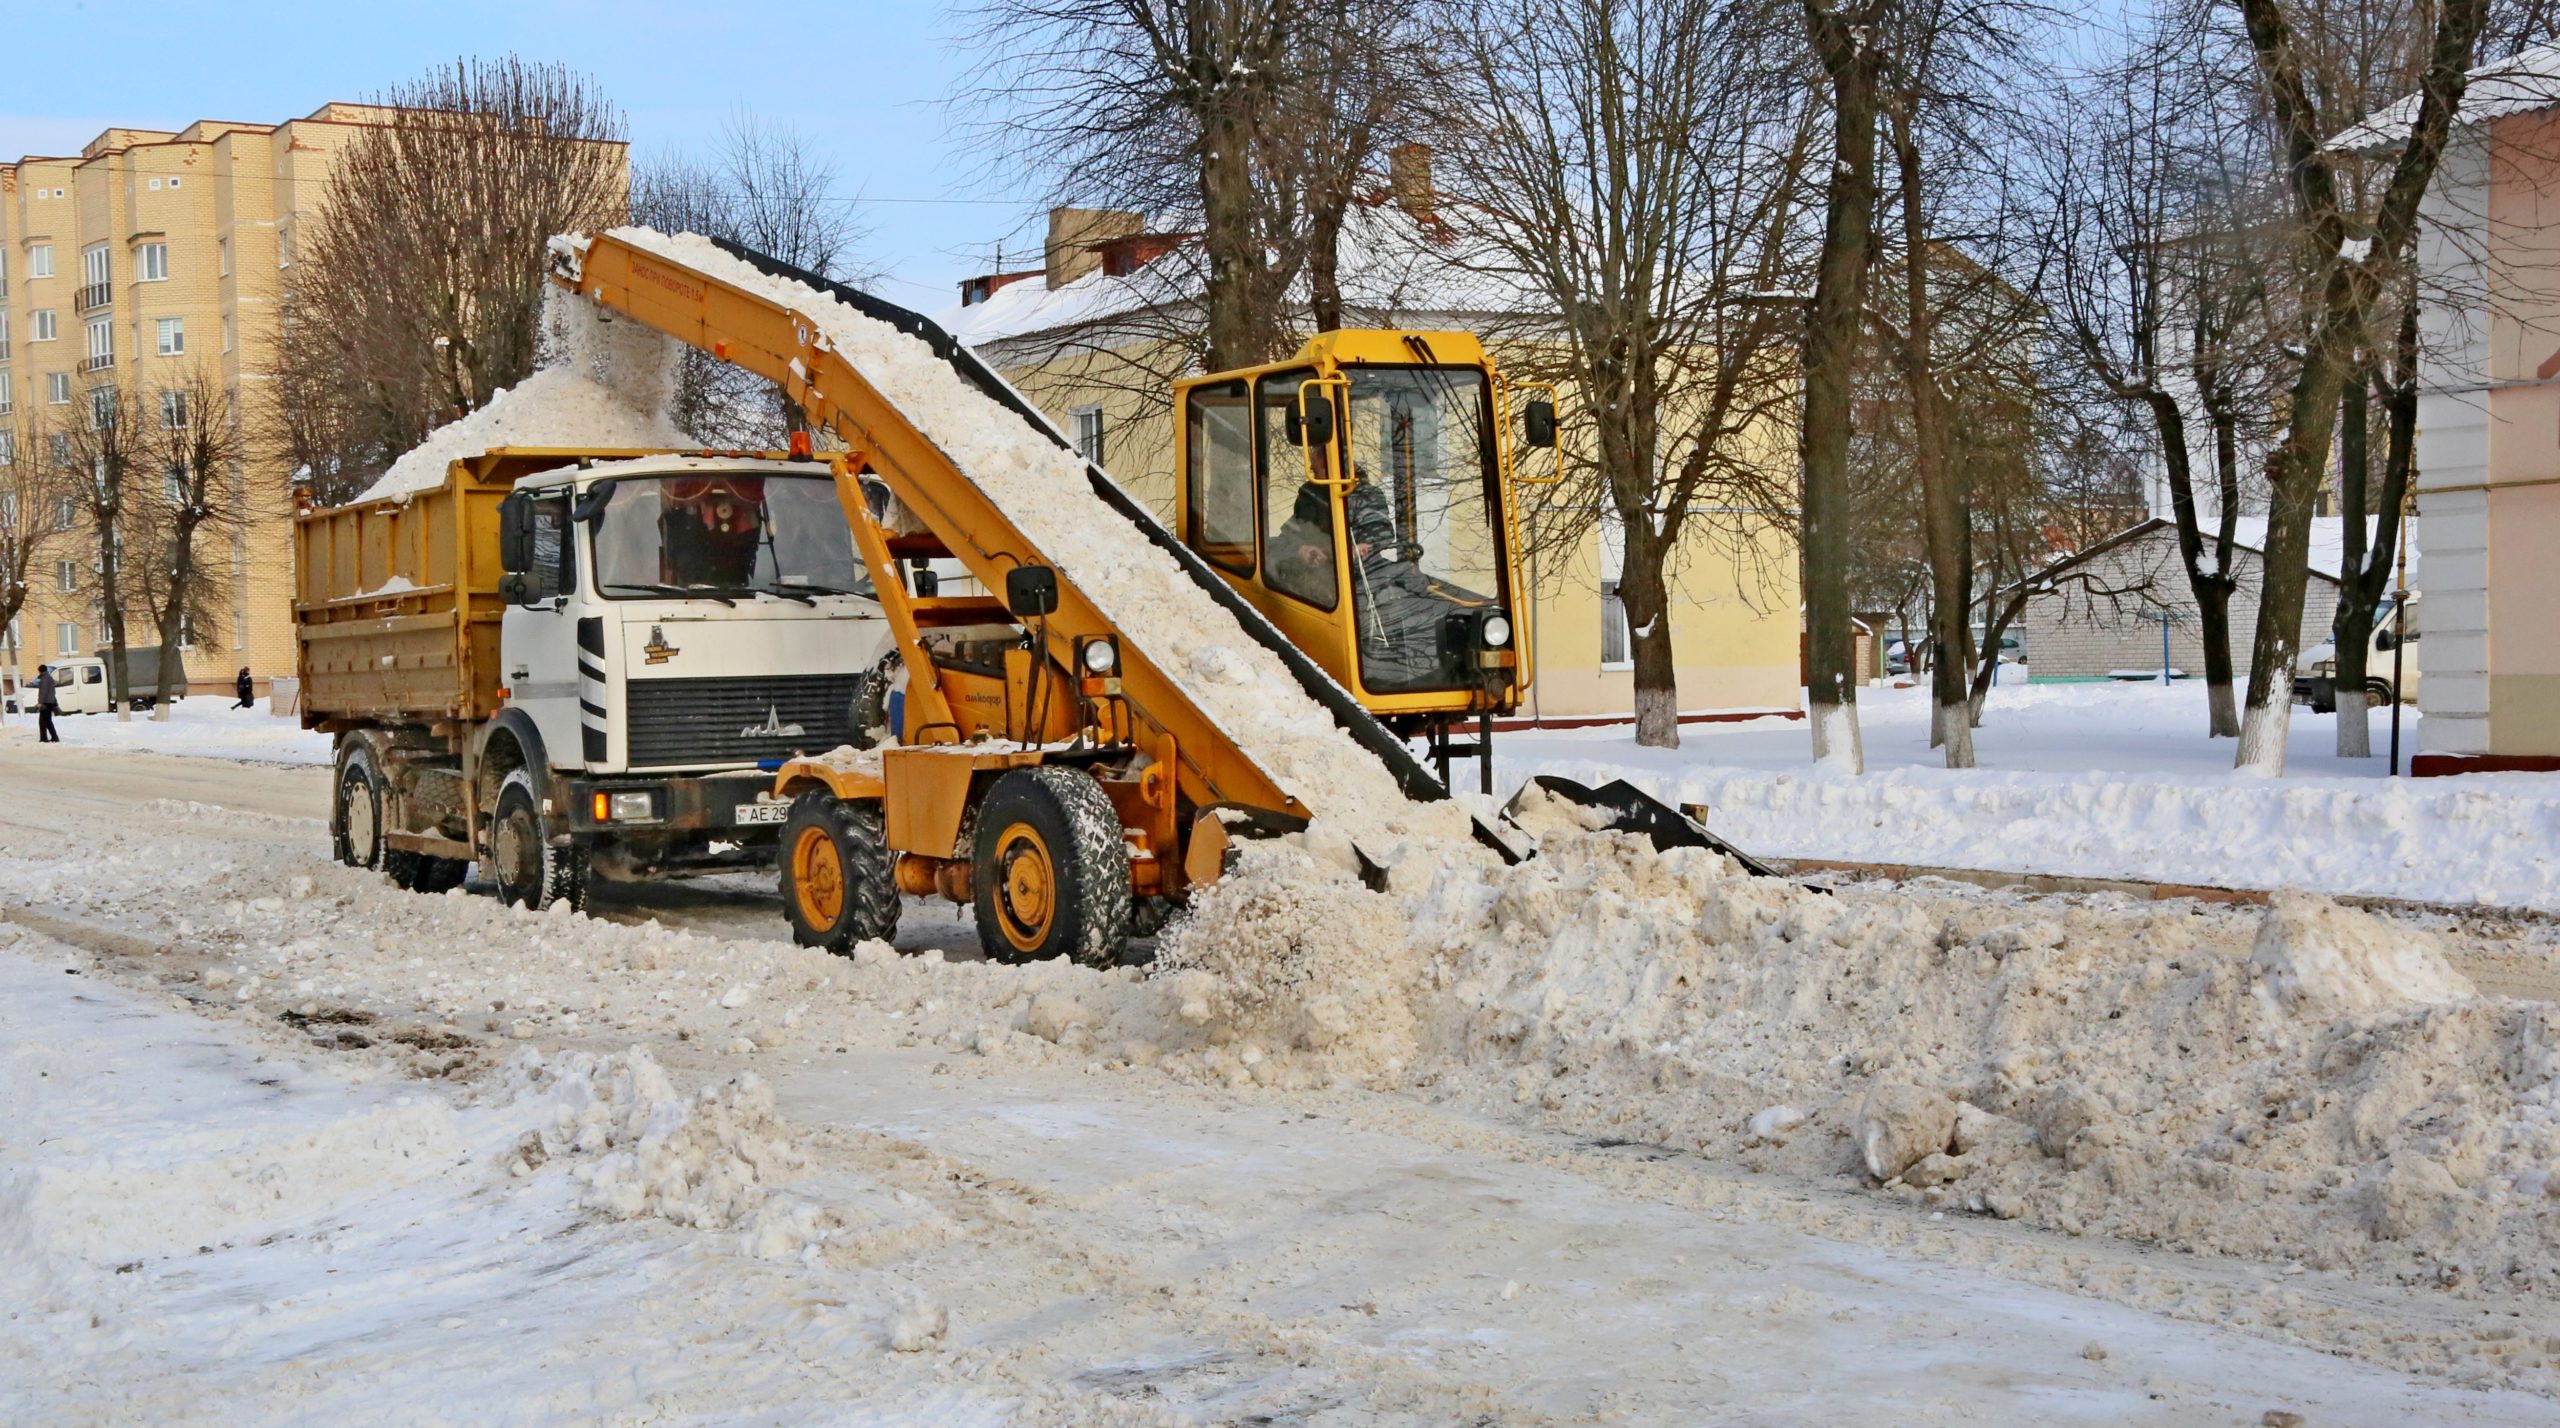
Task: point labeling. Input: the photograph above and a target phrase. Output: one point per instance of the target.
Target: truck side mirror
(514, 588)
(1030, 591)
(514, 534)
(1538, 420)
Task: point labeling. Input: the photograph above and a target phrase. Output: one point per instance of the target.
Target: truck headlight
(1100, 656)
(1496, 630)
(639, 806)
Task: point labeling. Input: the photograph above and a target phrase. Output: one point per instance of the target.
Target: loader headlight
(1496, 630)
(1101, 656)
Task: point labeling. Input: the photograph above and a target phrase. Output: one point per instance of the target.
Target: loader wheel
(1051, 871)
(839, 883)
(355, 822)
(530, 870)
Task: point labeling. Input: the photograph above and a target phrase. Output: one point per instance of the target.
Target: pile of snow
(641, 1147)
(607, 386)
(1043, 489)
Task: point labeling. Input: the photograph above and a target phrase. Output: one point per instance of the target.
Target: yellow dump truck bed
(396, 607)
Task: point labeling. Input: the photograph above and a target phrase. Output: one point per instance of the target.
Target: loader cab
(1358, 494)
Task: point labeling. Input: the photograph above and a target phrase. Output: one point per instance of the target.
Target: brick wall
(2080, 633)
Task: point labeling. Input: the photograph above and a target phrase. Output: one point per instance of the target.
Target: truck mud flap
(1632, 810)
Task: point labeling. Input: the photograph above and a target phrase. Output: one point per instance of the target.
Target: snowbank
(1042, 488)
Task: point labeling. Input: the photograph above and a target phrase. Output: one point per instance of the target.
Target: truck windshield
(725, 535)
(1424, 551)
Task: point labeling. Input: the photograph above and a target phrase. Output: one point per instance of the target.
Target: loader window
(1297, 514)
(1423, 522)
(724, 534)
(1218, 433)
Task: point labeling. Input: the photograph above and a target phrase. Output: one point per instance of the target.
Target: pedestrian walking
(243, 688)
(48, 704)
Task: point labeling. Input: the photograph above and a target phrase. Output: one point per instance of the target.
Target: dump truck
(1058, 777)
(561, 664)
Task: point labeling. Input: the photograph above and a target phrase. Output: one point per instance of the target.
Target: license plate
(763, 812)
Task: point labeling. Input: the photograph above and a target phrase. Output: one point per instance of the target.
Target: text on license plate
(763, 812)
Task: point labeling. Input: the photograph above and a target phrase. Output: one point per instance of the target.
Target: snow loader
(1059, 778)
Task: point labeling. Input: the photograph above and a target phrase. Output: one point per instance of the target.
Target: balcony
(93, 296)
(98, 363)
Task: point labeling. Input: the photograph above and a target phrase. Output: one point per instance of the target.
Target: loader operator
(709, 532)
(1400, 610)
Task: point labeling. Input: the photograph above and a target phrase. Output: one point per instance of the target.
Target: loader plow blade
(1630, 809)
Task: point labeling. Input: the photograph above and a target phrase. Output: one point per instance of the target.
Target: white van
(2317, 685)
(79, 685)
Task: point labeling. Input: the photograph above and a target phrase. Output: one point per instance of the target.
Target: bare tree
(192, 445)
(2388, 396)
(415, 293)
(1634, 170)
(95, 449)
(2339, 287)
(26, 530)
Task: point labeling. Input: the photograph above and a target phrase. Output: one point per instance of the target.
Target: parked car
(2316, 684)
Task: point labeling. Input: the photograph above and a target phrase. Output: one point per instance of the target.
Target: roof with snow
(2519, 84)
(2249, 533)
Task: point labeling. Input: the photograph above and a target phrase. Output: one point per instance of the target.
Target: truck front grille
(737, 721)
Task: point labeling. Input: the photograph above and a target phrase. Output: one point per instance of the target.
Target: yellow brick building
(1094, 333)
(148, 251)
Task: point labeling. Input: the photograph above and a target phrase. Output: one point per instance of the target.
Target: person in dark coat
(48, 704)
(244, 689)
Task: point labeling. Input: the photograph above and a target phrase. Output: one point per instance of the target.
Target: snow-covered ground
(204, 726)
(288, 1145)
(2094, 780)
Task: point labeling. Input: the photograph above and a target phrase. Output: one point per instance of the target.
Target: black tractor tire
(870, 710)
(838, 878)
(355, 811)
(1150, 915)
(2377, 692)
(530, 870)
(1050, 869)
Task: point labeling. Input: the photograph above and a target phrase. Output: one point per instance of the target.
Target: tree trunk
(1847, 49)
(1942, 505)
(1324, 263)
(2353, 625)
(1645, 591)
(2213, 595)
(2293, 482)
(1235, 254)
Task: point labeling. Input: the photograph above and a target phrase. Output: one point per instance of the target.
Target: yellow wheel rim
(817, 875)
(1026, 887)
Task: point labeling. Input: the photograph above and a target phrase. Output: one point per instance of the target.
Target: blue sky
(862, 82)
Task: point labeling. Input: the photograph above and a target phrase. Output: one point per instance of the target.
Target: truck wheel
(355, 815)
(530, 870)
(839, 881)
(1051, 870)
(2377, 693)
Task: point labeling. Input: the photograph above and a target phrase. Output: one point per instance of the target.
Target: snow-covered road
(287, 1145)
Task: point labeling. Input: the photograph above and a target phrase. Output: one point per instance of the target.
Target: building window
(153, 263)
(66, 575)
(63, 512)
(8, 505)
(57, 388)
(222, 256)
(173, 411)
(40, 325)
(173, 484)
(8, 458)
(66, 638)
(172, 333)
(102, 343)
(284, 242)
(1617, 641)
(1089, 434)
(93, 265)
(102, 408)
(40, 261)
(8, 399)
(4, 327)
(173, 183)
(226, 332)
(186, 630)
